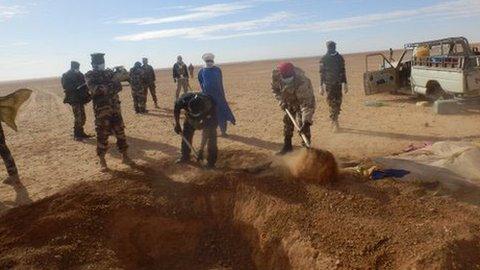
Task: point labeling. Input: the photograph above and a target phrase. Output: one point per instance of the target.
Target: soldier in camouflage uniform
(104, 90)
(333, 80)
(150, 79)
(76, 94)
(294, 91)
(8, 160)
(139, 89)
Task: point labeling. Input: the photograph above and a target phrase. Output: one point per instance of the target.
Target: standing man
(293, 91)
(191, 69)
(76, 94)
(139, 88)
(211, 81)
(106, 105)
(333, 80)
(180, 76)
(150, 79)
(200, 114)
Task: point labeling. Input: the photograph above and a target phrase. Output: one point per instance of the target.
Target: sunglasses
(209, 61)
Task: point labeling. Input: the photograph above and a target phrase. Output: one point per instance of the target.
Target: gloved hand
(345, 87)
(283, 105)
(178, 128)
(305, 127)
(322, 89)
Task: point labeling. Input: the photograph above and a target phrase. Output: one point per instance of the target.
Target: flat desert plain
(386, 224)
(48, 159)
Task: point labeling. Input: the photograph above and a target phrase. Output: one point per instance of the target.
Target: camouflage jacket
(104, 90)
(149, 74)
(297, 96)
(137, 77)
(332, 69)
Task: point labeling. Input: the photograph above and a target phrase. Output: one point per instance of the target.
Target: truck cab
(446, 68)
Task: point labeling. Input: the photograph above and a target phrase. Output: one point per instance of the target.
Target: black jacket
(180, 71)
(75, 88)
(332, 69)
(149, 74)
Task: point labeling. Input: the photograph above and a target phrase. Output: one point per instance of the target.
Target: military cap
(74, 65)
(98, 58)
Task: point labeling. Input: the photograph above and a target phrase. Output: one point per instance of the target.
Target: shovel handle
(304, 138)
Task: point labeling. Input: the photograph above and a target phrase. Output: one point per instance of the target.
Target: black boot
(77, 136)
(287, 146)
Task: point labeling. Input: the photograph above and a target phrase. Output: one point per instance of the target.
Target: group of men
(291, 87)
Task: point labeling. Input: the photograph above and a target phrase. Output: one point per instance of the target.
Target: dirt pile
(312, 166)
(239, 220)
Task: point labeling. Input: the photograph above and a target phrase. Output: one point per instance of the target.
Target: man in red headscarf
(294, 91)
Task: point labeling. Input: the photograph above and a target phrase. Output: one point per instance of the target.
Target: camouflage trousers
(181, 83)
(79, 116)
(6, 155)
(139, 95)
(152, 88)
(110, 125)
(334, 100)
(289, 128)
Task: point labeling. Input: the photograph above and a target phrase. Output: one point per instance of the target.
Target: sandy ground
(49, 160)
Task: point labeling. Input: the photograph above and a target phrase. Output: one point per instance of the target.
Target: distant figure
(191, 70)
(150, 79)
(139, 88)
(180, 76)
(104, 90)
(391, 55)
(76, 94)
(294, 91)
(211, 82)
(333, 80)
(200, 114)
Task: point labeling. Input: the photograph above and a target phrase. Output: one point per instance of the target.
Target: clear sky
(39, 38)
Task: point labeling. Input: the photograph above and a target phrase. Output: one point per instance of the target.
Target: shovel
(304, 138)
(194, 151)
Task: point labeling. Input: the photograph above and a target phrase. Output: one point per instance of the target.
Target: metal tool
(304, 137)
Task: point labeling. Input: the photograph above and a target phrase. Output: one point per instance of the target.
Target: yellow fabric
(422, 52)
(10, 104)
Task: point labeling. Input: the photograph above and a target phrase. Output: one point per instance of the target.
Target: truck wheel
(435, 92)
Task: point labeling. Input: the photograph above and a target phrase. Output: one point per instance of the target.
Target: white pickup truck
(450, 70)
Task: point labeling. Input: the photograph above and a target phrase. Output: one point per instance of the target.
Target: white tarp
(455, 164)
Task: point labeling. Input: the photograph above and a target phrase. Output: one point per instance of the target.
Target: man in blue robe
(211, 82)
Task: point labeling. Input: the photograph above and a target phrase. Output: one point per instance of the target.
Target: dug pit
(241, 220)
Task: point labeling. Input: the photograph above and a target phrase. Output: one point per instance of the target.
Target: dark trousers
(152, 87)
(289, 128)
(334, 100)
(6, 155)
(210, 133)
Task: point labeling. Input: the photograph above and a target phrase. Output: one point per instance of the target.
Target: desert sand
(383, 224)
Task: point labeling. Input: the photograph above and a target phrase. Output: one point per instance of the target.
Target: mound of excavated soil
(239, 220)
(312, 166)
